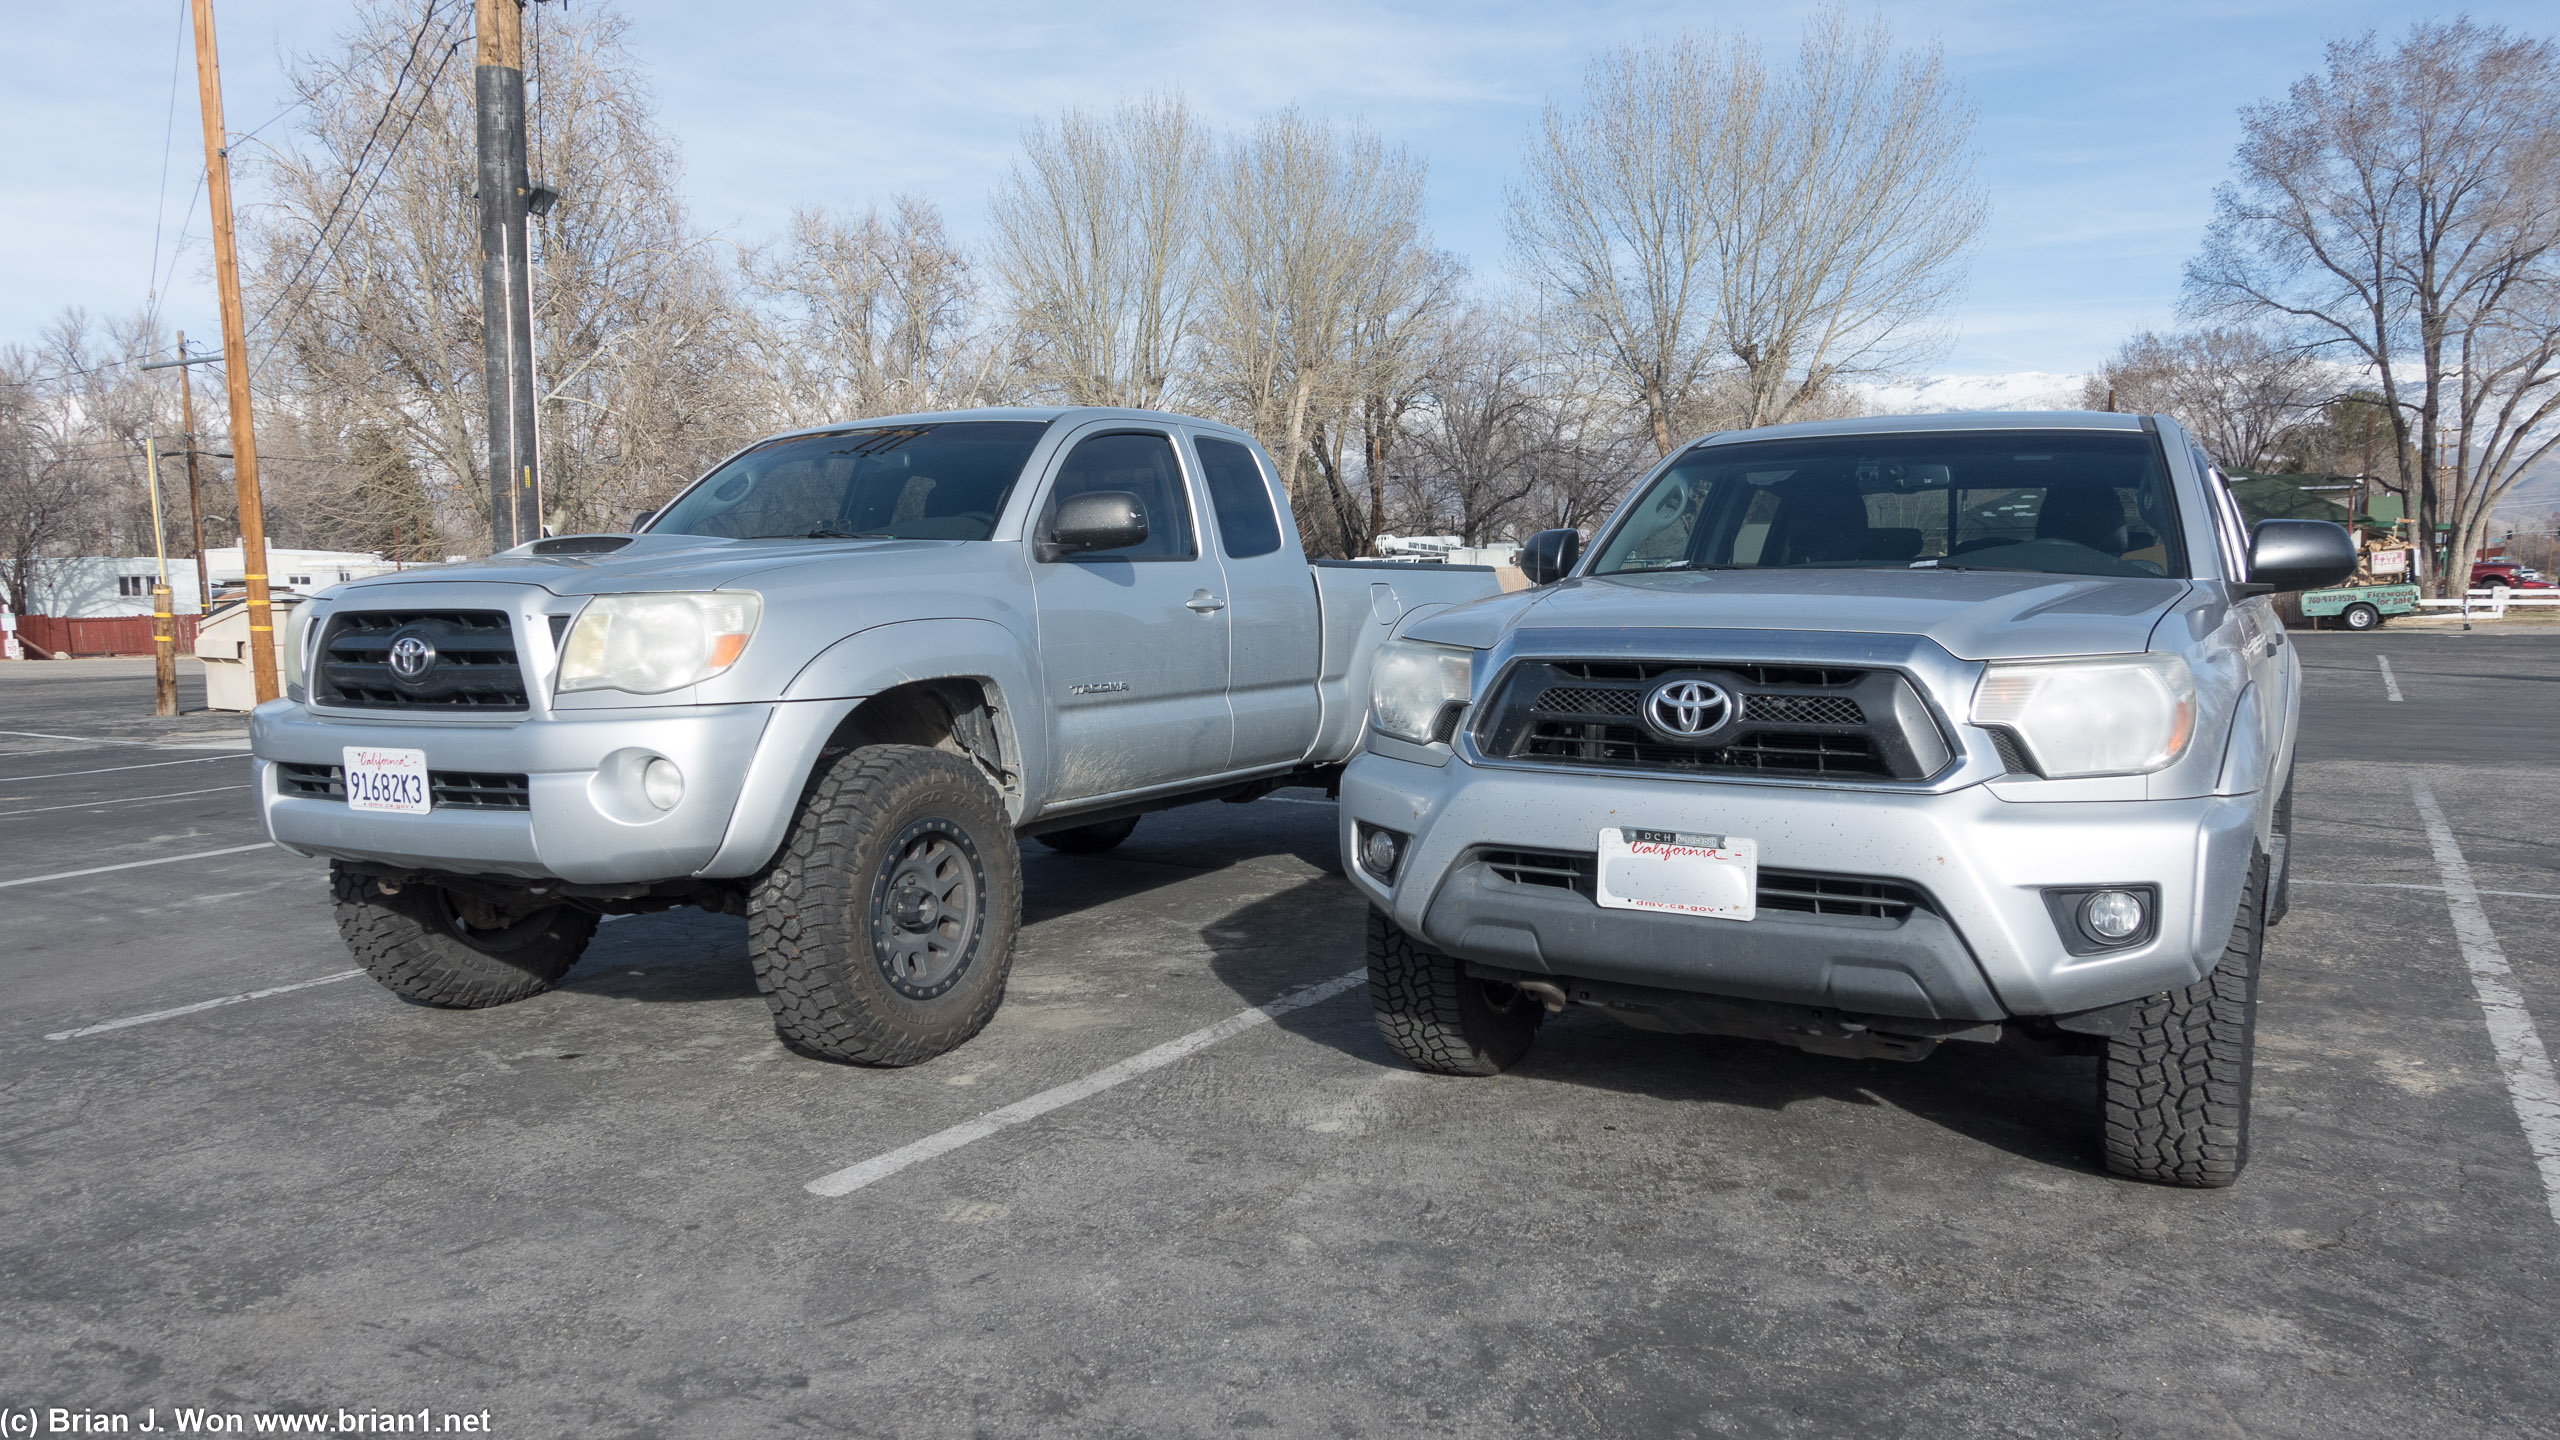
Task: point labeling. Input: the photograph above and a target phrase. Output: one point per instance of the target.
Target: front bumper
(1984, 947)
(585, 822)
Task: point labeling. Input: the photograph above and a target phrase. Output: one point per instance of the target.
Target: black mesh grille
(2013, 756)
(474, 665)
(1806, 722)
(447, 789)
(1803, 892)
(1805, 709)
(1581, 700)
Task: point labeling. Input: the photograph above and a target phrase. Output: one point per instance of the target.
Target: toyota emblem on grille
(1687, 709)
(411, 657)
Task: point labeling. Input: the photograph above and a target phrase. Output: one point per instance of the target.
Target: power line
(390, 103)
(425, 93)
(168, 135)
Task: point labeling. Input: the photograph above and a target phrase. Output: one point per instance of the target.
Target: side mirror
(1549, 555)
(1095, 520)
(643, 518)
(2299, 555)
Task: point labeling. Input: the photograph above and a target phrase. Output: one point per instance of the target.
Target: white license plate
(1679, 871)
(393, 780)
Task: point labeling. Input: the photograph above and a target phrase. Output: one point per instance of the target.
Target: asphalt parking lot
(589, 1214)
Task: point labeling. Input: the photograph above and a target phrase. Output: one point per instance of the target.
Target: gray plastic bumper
(587, 822)
(1916, 967)
(1985, 945)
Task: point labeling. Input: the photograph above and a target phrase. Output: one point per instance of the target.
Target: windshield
(909, 482)
(2072, 502)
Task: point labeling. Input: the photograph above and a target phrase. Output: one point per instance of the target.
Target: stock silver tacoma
(825, 688)
(1862, 736)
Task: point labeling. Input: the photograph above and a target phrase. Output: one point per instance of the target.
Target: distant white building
(101, 587)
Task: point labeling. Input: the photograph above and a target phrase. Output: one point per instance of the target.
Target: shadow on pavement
(2036, 1108)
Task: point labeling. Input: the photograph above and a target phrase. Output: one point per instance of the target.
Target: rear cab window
(1248, 525)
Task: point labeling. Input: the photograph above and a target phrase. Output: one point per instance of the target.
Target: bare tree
(1098, 241)
(371, 307)
(2251, 401)
(1698, 214)
(2401, 207)
(868, 317)
(1323, 278)
(41, 511)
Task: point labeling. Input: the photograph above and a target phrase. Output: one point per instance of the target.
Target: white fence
(2492, 604)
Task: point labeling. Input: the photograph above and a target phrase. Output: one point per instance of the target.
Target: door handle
(1204, 602)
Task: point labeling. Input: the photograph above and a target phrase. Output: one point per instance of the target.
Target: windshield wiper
(823, 533)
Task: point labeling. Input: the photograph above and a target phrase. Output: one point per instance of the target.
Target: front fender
(861, 665)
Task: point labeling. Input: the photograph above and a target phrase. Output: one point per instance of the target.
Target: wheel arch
(950, 685)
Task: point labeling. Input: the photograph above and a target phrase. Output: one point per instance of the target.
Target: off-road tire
(417, 945)
(2173, 1089)
(821, 922)
(1089, 839)
(2360, 616)
(1437, 1016)
(2280, 864)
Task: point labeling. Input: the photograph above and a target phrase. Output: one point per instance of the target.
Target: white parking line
(2390, 682)
(131, 1020)
(1295, 800)
(135, 800)
(136, 864)
(111, 769)
(2430, 889)
(75, 739)
(2531, 1087)
(881, 1167)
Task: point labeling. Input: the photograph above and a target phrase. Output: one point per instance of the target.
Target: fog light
(2112, 914)
(662, 783)
(1380, 851)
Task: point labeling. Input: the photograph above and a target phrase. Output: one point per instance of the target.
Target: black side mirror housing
(643, 518)
(1095, 520)
(2298, 555)
(1549, 555)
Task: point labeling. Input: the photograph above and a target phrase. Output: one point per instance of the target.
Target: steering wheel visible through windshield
(907, 482)
(2070, 502)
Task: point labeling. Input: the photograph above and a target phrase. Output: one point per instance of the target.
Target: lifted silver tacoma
(825, 688)
(1861, 737)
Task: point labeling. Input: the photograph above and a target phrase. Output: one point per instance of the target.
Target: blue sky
(2104, 127)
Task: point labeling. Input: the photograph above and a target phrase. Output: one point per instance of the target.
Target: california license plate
(393, 780)
(1679, 871)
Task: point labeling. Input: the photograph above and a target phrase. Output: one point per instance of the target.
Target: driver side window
(1141, 463)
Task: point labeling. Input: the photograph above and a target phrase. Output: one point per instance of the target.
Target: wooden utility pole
(506, 275)
(164, 625)
(195, 500)
(235, 358)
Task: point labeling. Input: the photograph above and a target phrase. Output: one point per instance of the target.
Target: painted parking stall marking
(200, 1006)
(881, 1167)
(2521, 1058)
(139, 864)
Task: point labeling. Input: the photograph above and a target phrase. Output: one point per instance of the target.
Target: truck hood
(1972, 614)
(664, 562)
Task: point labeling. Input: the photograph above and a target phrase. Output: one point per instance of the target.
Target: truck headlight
(649, 644)
(297, 637)
(2122, 715)
(1412, 687)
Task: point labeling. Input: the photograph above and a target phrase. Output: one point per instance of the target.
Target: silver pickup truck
(825, 688)
(1862, 737)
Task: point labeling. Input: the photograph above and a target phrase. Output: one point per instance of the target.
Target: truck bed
(1362, 603)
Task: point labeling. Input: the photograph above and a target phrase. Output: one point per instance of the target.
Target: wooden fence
(52, 637)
